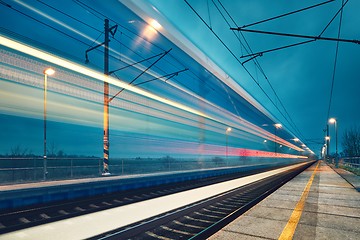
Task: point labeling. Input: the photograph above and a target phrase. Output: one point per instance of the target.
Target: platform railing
(31, 169)
(353, 162)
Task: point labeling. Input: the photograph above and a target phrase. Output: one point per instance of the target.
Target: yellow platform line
(289, 229)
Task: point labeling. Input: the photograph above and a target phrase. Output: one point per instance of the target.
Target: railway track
(203, 219)
(32, 216)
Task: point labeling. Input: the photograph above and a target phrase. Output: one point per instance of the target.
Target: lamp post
(47, 72)
(327, 144)
(333, 121)
(277, 126)
(228, 130)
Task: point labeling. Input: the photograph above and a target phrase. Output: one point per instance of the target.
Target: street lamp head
(49, 71)
(332, 120)
(327, 138)
(155, 24)
(228, 130)
(278, 125)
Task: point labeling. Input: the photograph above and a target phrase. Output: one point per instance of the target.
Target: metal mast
(106, 100)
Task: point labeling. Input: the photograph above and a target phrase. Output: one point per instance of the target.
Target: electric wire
(76, 19)
(300, 43)
(84, 23)
(95, 40)
(2, 2)
(256, 62)
(232, 53)
(291, 122)
(43, 23)
(93, 11)
(335, 63)
(287, 14)
(93, 28)
(90, 10)
(84, 6)
(153, 44)
(340, 10)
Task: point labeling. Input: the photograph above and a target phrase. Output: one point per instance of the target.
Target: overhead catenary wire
(93, 28)
(68, 15)
(249, 50)
(54, 28)
(93, 11)
(90, 10)
(314, 39)
(43, 23)
(291, 122)
(335, 64)
(83, 5)
(299, 43)
(287, 14)
(275, 49)
(332, 19)
(57, 30)
(88, 45)
(232, 53)
(298, 35)
(142, 72)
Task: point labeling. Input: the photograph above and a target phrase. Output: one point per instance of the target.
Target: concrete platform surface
(352, 178)
(317, 204)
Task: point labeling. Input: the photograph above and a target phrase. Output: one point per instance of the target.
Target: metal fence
(31, 169)
(14, 170)
(353, 162)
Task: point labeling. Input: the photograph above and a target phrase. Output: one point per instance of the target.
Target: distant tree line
(351, 142)
(21, 152)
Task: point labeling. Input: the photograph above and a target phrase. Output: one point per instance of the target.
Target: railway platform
(25, 194)
(317, 204)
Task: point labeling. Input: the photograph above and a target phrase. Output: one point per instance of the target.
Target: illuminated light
(265, 141)
(332, 120)
(218, 112)
(134, 103)
(153, 7)
(228, 130)
(278, 125)
(296, 140)
(209, 149)
(280, 145)
(151, 30)
(155, 24)
(327, 138)
(174, 35)
(91, 73)
(49, 71)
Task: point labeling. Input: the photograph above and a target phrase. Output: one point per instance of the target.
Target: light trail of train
(84, 83)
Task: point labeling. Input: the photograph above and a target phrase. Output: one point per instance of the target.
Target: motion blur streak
(135, 100)
(208, 149)
(55, 20)
(91, 73)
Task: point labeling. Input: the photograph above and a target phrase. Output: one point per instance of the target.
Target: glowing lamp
(332, 120)
(49, 71)
(155, 24)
